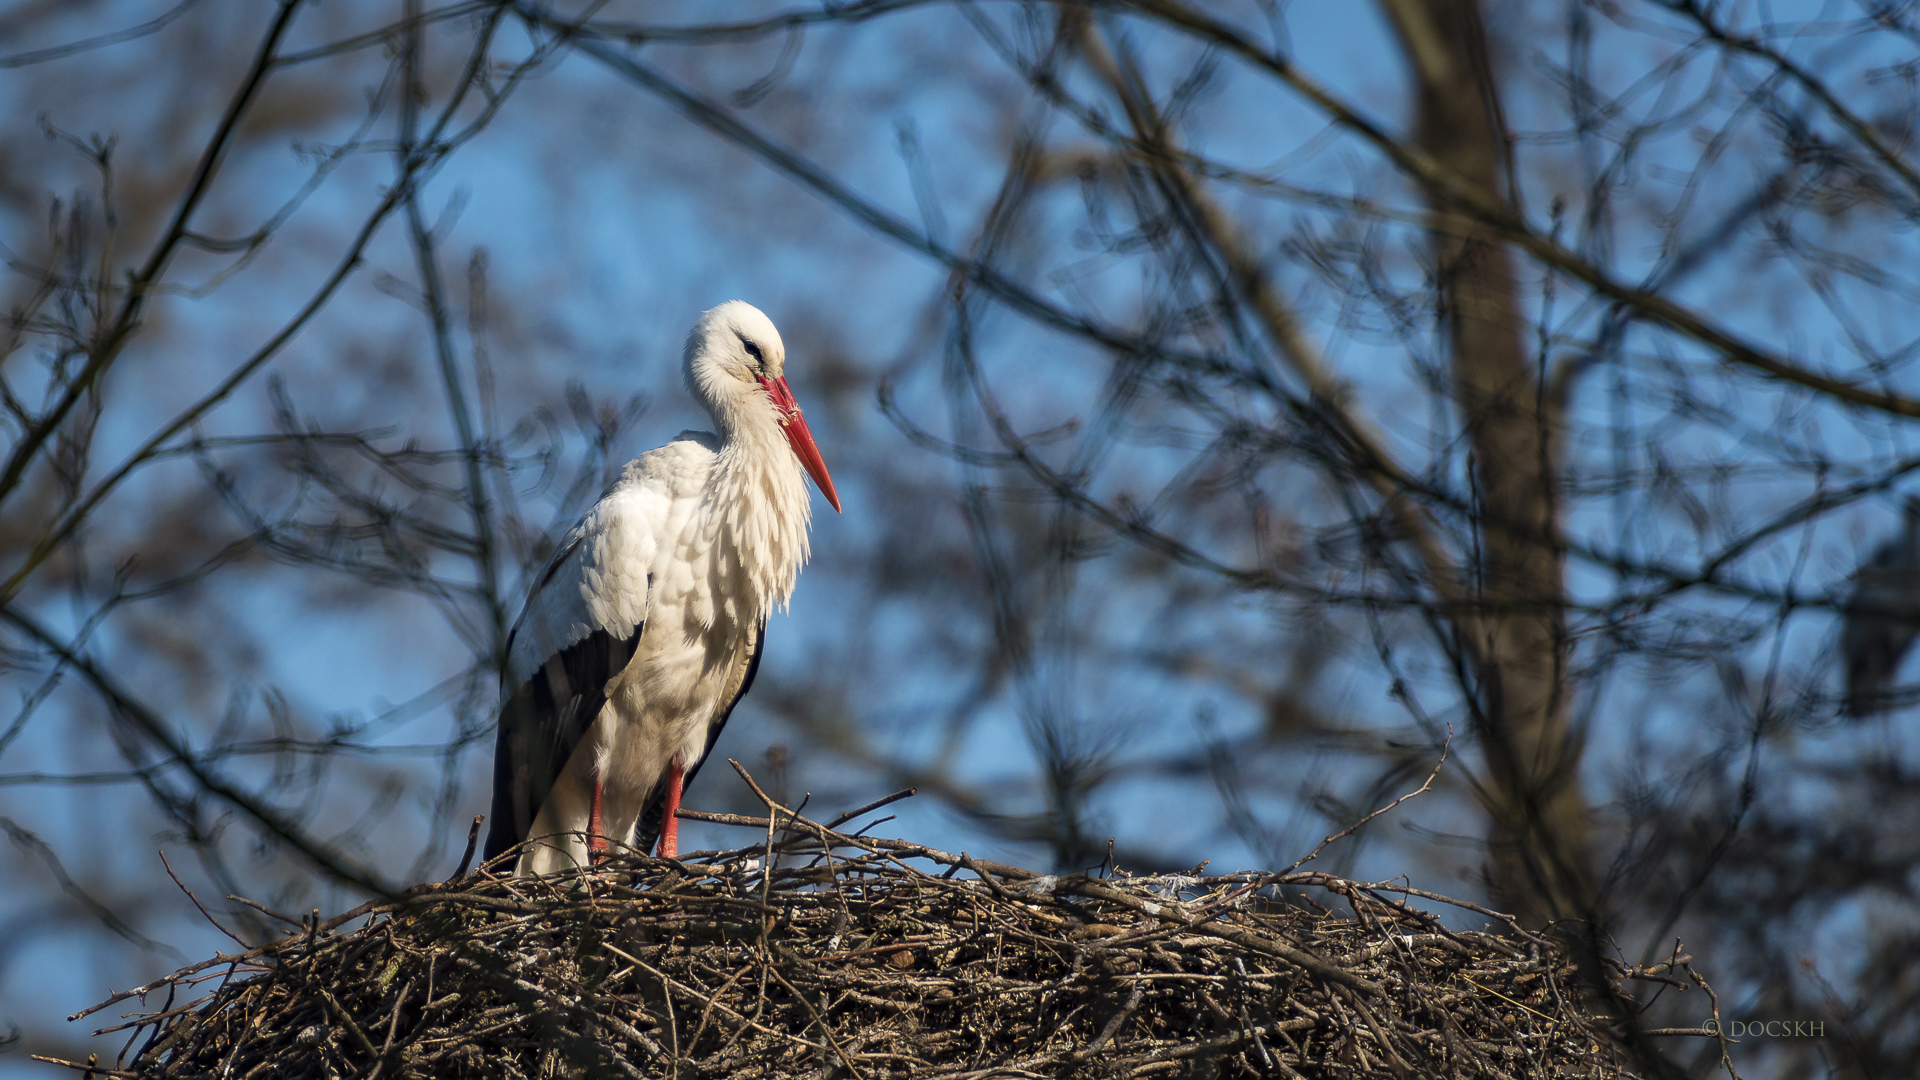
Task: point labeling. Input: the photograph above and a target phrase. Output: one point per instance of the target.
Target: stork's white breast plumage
(645, 629)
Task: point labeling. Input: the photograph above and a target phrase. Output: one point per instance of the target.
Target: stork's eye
(754, 351)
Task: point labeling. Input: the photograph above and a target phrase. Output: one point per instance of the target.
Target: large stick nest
(868, 958)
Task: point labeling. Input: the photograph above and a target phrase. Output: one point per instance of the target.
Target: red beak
(800, 437)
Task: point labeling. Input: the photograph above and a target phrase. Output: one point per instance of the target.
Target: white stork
(645, 629)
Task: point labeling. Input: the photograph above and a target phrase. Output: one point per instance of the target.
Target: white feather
(697, 544)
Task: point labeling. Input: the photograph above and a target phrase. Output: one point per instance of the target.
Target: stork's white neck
(756, 512)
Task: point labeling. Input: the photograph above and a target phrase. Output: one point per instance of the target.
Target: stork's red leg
(670, 830)
(596, 834)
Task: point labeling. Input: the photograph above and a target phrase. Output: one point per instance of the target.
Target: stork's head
(736, 367)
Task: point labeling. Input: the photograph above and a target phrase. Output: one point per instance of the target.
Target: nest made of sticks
(867, 958)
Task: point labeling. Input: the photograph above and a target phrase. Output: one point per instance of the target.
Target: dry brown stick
(473, 838)
(149, 1018)
(826, 1030)
(147, 988)
(203, 908)
(1399, 1067)
(635, 1035)
(1111, 1026)
(706, 1014)
(346, 1020)
(905, 793)
(1425, 787)
(1719, 1028)
(264, 909)
(91, 1067)
(393, 1028)
(1700, 1032)
(985, 877)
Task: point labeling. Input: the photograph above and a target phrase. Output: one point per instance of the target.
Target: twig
(986, 877)
(345, 1020)
(203, 908)
(905, 793)
(1425, 787)
(1719, 1029)
(1707, 1033)
(1113, 1024)
(91, 1068)
(473, 840)
(265, 910)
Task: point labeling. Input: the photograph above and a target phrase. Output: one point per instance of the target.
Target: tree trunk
(1540, 862)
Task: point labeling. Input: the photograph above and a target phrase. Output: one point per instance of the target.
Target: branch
(103, 354)
(1479, 203)
(151, 725)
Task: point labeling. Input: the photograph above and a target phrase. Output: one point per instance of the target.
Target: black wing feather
(1883, 619)
(647, 832)
(542, 722)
